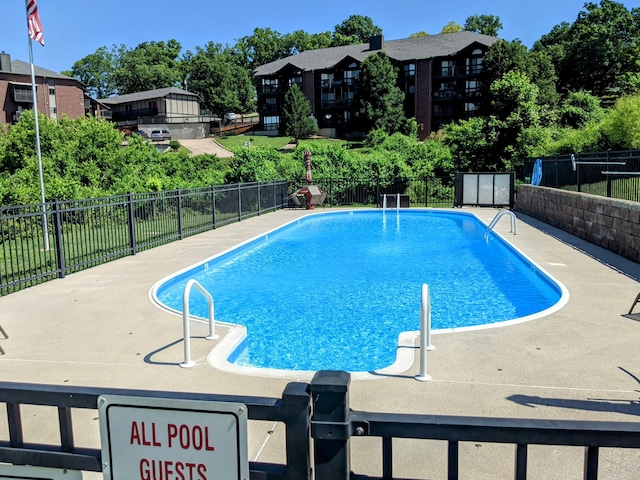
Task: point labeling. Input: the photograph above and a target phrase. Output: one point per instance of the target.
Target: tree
(622, 124)
(221, 83)
(358, 26)
(296, 120)
(149, 66)
(485, 24)
(379, 100)
(452, 27)
(97, 70)
(503, 57)
(578, 109)
(421, 33)
(596, 51)
(263, 46)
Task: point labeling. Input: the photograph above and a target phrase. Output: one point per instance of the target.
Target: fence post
(330, 426)
(239, 203)
(330, 191)
(179, 214)
(298, 439)
(426, 191)
(259, 204)
(213, 205)
(59, 239)
(132, 225)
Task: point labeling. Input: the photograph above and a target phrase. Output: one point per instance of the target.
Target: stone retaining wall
(606, 222)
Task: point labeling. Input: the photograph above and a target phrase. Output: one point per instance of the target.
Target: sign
(159, 438)
(37, 473)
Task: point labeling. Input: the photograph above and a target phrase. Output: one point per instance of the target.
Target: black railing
(85, 233)
(321, 411)
(133, 114)
(614, 174)
(423, 192)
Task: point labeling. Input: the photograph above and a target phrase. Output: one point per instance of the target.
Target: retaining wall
(609, 223)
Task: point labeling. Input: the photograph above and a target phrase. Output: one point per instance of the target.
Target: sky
(74, 29)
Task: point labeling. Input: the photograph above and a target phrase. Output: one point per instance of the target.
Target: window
(269, 84)
(296, 79)
(272, 122)
(23, 93)
(410, 70)
(350, 76)
(472, 87)
(470, 109)
(326, 79)
(52, 90)
(474, 63)
(270, 100)
(447, 68)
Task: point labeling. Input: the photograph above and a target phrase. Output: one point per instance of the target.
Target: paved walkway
(209, 145)
(99, 328)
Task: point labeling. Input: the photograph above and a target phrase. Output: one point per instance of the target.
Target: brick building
(57, 94)
(439, 74)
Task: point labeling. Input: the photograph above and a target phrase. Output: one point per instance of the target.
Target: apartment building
(57, 94)
(439, 74)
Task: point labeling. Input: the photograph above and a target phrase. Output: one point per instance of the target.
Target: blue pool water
(335, 290)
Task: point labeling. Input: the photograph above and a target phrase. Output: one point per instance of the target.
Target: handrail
(425, 333)
(514, 227)
(185, 320)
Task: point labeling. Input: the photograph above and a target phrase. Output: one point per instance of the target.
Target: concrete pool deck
(99, 328)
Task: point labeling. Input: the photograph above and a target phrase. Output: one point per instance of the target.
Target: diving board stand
(2, 331)
(635, 302)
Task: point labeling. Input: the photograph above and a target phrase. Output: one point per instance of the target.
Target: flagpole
(45, 226)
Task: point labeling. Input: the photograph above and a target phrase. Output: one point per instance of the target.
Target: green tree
(297, 120)
(358, 26)
(379, 100)
(596, 51)
(221, 83)
(485, 24)
(622, 124)
(578, 109)
(452, 27)
(503, 57)
(421, 33)
(263, 46)
(149, 66)
(97, 70)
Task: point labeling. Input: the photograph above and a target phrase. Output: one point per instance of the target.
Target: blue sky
(76, 28)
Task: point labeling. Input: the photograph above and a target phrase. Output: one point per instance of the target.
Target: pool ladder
(185, 320)
(499, 215)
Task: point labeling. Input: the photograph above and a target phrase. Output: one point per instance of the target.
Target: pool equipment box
(145, 438)
(25, 472)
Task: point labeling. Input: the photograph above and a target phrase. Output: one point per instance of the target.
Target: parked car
(230, 117)
(141, 134)
(160, 135)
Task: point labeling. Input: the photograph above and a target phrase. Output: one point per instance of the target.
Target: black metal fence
(614, 174)
(422, 192)
(43, 242)
(320, 411)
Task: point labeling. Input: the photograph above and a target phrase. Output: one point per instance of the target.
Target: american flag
(33, 21)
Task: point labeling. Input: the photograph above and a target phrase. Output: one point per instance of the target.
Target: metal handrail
(185, 320)
(514, 228)
(425, 333)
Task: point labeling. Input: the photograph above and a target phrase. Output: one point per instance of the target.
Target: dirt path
(199, 146)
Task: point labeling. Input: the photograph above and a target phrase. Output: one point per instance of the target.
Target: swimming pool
(335, 290)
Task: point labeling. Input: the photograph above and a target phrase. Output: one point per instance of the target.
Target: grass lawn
(278, 143)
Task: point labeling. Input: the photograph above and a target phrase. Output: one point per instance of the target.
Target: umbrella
(307, 163)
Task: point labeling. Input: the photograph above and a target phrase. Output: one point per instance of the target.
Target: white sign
(152, 438)
(22, 472)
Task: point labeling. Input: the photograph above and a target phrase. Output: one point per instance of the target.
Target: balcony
(134, 114)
